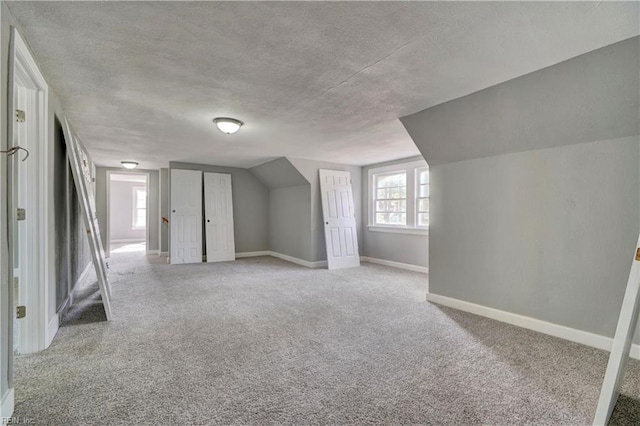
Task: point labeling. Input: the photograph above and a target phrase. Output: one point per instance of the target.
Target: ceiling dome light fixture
(228, 125)
(129, 164)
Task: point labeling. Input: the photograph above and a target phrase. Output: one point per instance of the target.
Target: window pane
(423, 205)
(383, 194)
(391, 218)
(423, 219)
(141, 198)
(391, 206)
(398, 179)
(424, 191)
(424, 176)
(400, 192)
(141, 218)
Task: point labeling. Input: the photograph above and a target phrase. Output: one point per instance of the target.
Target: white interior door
(339, 219)
(186, 216)
(218, 211)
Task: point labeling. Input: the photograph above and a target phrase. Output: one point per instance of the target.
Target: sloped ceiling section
(595, 96)
(320, 80)
(279, 173)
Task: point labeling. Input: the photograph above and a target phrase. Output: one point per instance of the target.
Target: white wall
(153, 193)
(120, 212)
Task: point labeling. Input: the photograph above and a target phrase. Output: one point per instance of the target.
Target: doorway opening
(128, 212)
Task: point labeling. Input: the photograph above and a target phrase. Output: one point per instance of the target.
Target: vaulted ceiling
(319, 80)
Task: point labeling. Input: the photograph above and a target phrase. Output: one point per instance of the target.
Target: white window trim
(410, 169)
(135, 207)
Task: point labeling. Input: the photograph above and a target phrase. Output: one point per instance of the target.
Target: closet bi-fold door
(218, 211)
(186, 216)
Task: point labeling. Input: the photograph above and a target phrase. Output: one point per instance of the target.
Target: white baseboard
(399, 265)
(567, 333)
(6, 407)
(301, 262)
(156, 252)
(252, 254)
(52, 329)
(164, 253)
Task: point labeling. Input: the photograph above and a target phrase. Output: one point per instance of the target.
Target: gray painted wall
(547, 231)
(290, 221)
(404, 248)
(60, 188)
(154, 203)
(79, 243)
(546, 234)
(250, 206)
(164, 210)
(289, 208)
(279, 173)
(588, 98)
(120, 212)
(309, 169)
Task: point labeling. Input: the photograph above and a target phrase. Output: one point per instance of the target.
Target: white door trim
(39, 202)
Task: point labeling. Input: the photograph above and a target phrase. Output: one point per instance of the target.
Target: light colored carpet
(262, 341)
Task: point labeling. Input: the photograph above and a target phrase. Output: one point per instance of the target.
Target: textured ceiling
(318, 80)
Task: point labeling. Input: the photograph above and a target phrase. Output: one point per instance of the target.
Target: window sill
(398, 230)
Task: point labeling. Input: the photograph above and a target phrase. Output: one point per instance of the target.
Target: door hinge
(20, 116)
(638, 254)
(21, 311)
(21, 214)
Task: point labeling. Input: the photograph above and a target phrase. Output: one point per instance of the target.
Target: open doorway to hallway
(128, 212)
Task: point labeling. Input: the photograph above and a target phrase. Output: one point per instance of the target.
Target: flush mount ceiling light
(228, 125)
(129, 164)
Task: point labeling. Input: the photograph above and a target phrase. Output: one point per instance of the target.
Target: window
(399, 198)
(422, 197)
(139, 208)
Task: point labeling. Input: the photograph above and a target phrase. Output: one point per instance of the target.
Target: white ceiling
(318, 80)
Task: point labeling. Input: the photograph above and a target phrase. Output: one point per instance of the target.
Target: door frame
(108, 206)
(41, 325)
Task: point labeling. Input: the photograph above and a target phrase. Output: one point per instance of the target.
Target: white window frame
(411, 227)
(135, 207)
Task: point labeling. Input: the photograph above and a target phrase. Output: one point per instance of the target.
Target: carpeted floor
(262, 341)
